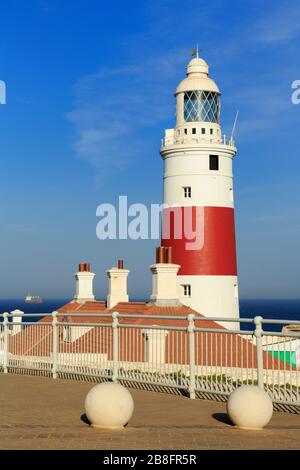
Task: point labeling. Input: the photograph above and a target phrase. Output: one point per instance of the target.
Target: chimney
(84, 283)
(164, 278)
(16, 326)
(117, 285)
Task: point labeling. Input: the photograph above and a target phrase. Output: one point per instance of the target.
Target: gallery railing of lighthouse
(176, 353)
(193, 139)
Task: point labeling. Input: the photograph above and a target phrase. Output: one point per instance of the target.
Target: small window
(187, 290)
(185, 131)
(194, 130)
(214, 162)
(211, 132)
(203, 130)
(187, 191)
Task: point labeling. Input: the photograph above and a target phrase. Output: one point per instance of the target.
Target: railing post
(6, 340)
(54, 345)
(259, 351)
(16, 321)
(191, 333)
(115, 332)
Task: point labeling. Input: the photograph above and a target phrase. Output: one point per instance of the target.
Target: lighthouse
(198, 189)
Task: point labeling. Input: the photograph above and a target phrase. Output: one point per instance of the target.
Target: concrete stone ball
(249, 407)
(108, 405)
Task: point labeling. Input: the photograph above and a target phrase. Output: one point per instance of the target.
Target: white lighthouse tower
(198, 175)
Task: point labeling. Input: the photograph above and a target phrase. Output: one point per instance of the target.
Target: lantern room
(198, 100)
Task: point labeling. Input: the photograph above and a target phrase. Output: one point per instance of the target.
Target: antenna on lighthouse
(234, 126)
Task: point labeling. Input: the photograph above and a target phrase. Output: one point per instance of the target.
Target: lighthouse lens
(201, 106)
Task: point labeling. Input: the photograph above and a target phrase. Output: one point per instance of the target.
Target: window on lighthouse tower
(201, 106)
(214, 162)
(187, 191)
(187, 290)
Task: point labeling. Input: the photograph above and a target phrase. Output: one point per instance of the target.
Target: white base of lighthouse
(212, 296)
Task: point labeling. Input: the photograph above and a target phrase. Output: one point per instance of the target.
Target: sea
(249, 308)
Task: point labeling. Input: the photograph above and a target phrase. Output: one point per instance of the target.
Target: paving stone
(42, 413)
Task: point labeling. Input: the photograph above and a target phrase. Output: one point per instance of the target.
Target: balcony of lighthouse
(196, 135)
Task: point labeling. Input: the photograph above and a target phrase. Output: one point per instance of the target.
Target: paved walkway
(42, 413)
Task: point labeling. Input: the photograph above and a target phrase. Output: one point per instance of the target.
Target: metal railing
(174, 352)
(192, 139)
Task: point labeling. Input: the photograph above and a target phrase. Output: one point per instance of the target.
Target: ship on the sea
(33, 299)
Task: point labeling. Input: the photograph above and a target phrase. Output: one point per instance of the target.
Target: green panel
(287, 356)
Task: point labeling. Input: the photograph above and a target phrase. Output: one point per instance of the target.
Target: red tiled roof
(219, 349)
(134, 308)
(215, 349)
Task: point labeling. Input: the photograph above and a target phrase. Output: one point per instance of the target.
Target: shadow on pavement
(223, 418)
(84, 418)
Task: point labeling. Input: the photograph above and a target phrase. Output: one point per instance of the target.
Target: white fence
(176, 352)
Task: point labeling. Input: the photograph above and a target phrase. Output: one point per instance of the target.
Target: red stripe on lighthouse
(218, 254)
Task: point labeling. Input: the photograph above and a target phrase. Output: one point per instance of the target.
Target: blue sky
(89, 93)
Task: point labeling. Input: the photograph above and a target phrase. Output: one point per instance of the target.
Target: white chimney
(117, 285)
(84, 283)
(17, 318)
(164, 278)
